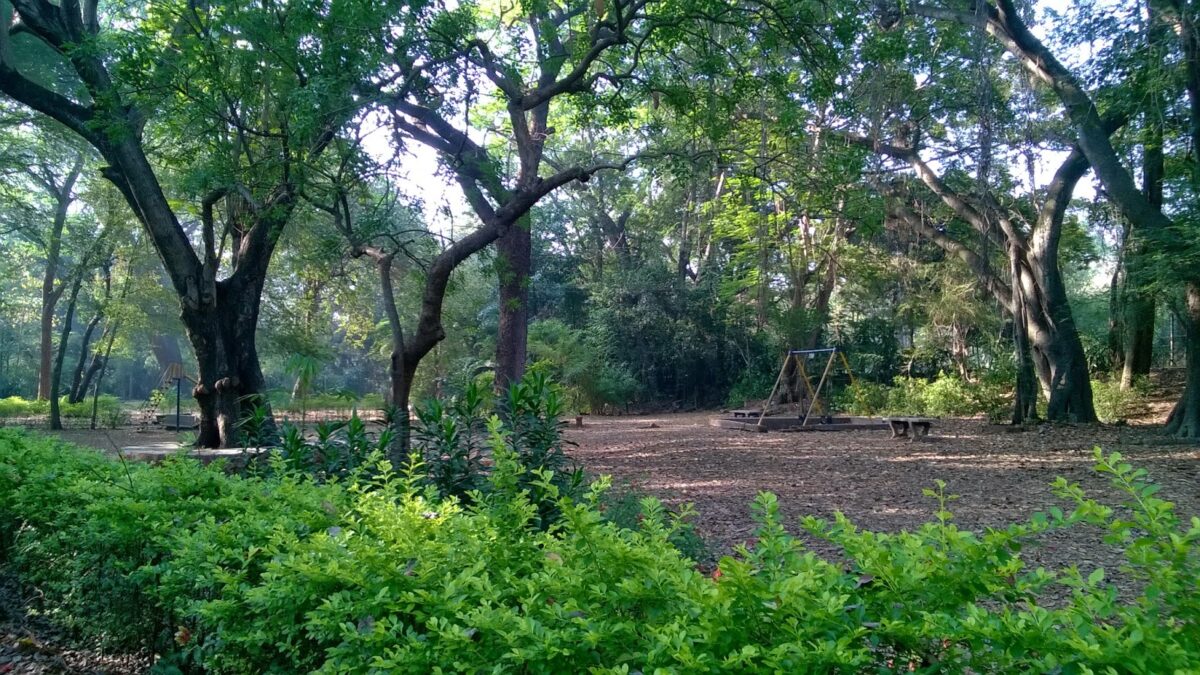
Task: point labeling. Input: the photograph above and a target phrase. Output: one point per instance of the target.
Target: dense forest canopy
(650, 201)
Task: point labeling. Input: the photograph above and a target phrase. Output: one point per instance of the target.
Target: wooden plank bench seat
(902, 426)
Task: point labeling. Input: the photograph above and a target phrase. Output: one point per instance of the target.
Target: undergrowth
(372, 570)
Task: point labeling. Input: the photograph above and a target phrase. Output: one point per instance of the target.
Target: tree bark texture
(1184, 420)
(514, 268)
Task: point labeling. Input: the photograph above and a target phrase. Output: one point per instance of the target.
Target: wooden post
(820, 385)
(778, 379)
(846, 363)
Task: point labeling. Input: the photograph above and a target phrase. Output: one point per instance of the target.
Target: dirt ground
(999, 475)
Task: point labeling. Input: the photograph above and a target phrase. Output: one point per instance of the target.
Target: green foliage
(1114, 404)
(626, 508)
(329, 400)
(531, 410)
(452, 441)
(863, 397)
(284, 574)
(947, 396)
(339, 450)
(750, 385)
(108, 408)
(591, 380)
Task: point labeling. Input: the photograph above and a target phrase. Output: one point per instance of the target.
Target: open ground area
(1000, 476)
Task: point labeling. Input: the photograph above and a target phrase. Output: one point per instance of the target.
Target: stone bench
(902, 427)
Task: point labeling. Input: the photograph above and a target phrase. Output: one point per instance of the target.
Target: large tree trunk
(514, 265)
(1070, 388)
(1184, 420)
(230, 378)
(1139, 302)
(1139, 336)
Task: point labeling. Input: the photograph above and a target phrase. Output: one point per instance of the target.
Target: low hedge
(15, 406)
(373, 573)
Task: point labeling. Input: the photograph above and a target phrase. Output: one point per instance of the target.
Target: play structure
(794, 404)
(149, 416)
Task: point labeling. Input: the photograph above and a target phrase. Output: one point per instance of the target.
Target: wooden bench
(902, 426)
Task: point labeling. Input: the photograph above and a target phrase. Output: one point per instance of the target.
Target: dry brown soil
(1000, 476)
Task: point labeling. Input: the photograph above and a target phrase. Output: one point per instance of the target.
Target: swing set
(813, 412)
(798, 356)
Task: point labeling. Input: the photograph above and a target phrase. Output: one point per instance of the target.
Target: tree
(1003, 22)
(249, 95)
(530, 57)
(39, 160)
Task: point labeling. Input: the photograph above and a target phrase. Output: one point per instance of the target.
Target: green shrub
(751, 385)
(15, 406)
(907, 396)
(377, 574)
(626, 507)
(863, 397)
(108, 408)
(947, 396)
(1114, 404)
(452, 441)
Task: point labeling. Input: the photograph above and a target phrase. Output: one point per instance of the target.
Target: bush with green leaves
(451, 437)
(1114, 404)
(108, 407)
(377, 573)
(862, 397)
(946, 396)
(338, 450)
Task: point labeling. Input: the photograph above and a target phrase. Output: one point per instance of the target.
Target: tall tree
(530, 57)
(248, 95)
(44, 170)
(1003, 22)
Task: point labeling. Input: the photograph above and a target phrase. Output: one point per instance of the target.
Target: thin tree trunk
(60, 356)
(1116, 308)
(1026, 391)
(102, 369)
(78, 383)
(51, 290)
(77, 392)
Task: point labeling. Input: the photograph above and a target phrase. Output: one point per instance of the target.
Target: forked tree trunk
(78, 386)
(229, 378)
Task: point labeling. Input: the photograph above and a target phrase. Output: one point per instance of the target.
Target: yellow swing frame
(813, 394)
